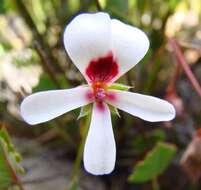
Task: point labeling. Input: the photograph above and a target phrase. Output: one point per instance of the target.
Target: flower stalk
(98, 5)
(186, 68)
(155, 184)
(77, 163)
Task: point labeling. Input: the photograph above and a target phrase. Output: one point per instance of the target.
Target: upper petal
(129, 45)
(44, 106)
(87, 37)
(100, 149)
(145, 107)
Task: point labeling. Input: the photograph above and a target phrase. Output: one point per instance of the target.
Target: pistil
(99, 91)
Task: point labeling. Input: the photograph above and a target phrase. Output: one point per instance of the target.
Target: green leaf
(154, 164)
(157, 135)
(173, 4)
(117, 6)
(114, 110)
(118, 86)
(5, 174)
(9, 160)
(84, 111)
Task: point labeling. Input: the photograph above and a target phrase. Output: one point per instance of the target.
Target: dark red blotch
(102, 69)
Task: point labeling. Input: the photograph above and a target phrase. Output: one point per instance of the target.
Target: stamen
(100, 94)
(99, 91)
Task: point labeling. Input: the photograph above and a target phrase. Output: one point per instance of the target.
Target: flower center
(100, 94)
(99, 91)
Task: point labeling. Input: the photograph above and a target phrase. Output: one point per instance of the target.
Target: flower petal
(44, 106)
(100, 149)
(145, 107)
(129, 45)
(87, 37)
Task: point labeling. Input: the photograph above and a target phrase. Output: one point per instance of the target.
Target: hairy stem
(186, 68)
(155, 184)
(76, 168)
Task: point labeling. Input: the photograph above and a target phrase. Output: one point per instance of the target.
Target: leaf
(154, 164)
(157, 135)
(173, 4)
(118, 86)
(9, 160)
(141, 5)
(114, 110)
(84, 111)
(5, 174)
(118, 6)
(2, 6)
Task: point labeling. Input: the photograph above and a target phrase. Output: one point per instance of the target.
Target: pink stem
(181, 60)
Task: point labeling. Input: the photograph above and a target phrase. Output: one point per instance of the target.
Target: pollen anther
(99, 91)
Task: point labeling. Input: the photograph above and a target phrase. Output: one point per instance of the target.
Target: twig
(129, 80)
(37, 36)
(155, 56)
(172, 85)
(46, 64)
(152, 77)
(98, 5)
(181, 60)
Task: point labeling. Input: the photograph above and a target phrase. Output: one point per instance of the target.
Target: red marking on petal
(111, 96)
(100, 106)
(102, 69)
(89, 95)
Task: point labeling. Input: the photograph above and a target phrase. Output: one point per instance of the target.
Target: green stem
(76, 167)
(98, 5)
(129, 79)
(155, 184)
(151, 81)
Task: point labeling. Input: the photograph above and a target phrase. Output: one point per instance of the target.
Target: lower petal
(100, 148)
(145, 107)
(44, 106)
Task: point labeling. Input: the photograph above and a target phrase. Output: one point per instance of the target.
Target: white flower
(103, 49)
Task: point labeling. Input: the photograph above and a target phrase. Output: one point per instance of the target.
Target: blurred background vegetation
(149, 155)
